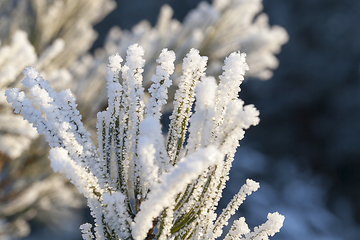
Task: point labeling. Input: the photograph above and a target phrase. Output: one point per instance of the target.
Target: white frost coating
(238, 229)
(62, 124)
(135, 62)
(13, 59)
(216, 29)
(162, 194)
(113, 84)
(134, 91)
(247, 189)
(50, 59)
(161, 82)
(86, 231)
(83, 181)
(168, 223)
(23, 105)
(237, 117)
(201, 122)
(150, 128)
(132, 187)
(149, 169)
(205, 93)
(230, 81)
(269, 228)
(115, 62)
(193, 68)
(115, 213)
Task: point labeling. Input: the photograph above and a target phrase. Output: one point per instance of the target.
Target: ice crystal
(139, 186)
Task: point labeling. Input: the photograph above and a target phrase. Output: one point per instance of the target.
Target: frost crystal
(139, 186)
(216, 29)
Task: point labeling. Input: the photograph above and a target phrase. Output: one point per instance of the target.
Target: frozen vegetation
(138, 185)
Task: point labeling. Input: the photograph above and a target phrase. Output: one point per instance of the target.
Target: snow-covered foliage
(17, 135)
(55, 35)
(46, 21)
(139, 186)
(44, 34)
(215, 29)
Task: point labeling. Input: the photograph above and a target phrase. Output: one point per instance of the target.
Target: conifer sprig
(138, 185)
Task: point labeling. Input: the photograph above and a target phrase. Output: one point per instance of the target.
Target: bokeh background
(306, 150)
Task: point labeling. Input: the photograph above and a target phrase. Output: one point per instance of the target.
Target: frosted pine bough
(139, 186)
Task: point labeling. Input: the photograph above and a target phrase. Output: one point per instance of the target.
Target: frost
(216, 30)
(137, 185)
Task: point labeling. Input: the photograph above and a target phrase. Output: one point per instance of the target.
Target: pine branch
(138, 186)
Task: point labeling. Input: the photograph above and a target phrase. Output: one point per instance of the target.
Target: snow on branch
(139, 185)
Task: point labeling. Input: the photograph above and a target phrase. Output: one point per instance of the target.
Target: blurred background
(306, 150)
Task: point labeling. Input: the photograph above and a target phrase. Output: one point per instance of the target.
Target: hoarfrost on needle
(139, 185)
